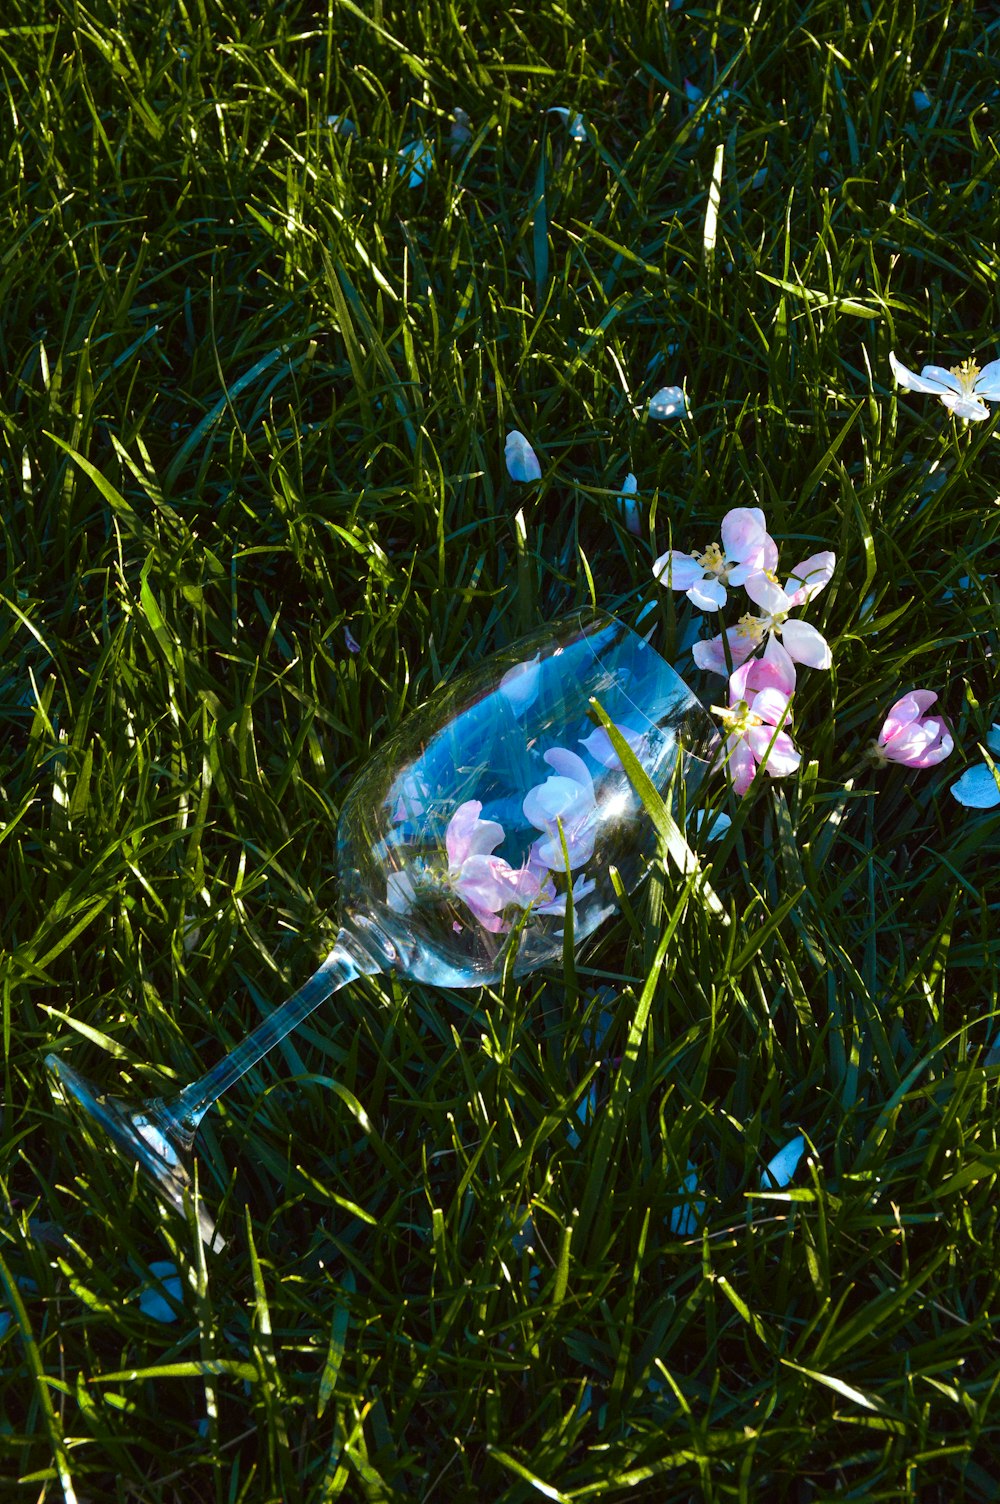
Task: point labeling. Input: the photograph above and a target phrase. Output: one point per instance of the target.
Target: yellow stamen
(712, 560)
(967, 374)
(751, 626)
(737, 719)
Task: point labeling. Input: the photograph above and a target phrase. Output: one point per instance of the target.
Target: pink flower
(564, 808)
(803, 643)
(746, 548)
(484, 882)
(759, 695)
(911, 738)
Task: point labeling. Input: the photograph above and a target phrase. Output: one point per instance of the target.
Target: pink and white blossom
(564, 808)
(802, 642)
(754, 720)
(746, 547)
(484, 882)
(964, 389)
(910, 737)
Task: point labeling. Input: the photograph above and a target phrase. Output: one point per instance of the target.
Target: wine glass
(492, 820)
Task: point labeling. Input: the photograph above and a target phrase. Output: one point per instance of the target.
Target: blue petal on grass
(669, 402)
(575, 124)
(152, 1300)
(522, 461)
(779, 1170)
(628, 504)
(977, 788)
(685, 1217)
(416, 160)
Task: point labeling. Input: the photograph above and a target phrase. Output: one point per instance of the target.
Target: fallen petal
(628, 504)
(416, 160)
(685, 1217)
(522, 461)
(575, 124)
(715, 825)
(977, 788)
(152, 1301)
(782, 1167)
(669, 402)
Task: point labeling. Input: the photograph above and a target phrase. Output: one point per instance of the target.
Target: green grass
(253, 391)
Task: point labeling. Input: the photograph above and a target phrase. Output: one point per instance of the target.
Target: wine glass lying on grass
(483, 836)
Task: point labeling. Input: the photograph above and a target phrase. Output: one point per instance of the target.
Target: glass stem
(184, 1112)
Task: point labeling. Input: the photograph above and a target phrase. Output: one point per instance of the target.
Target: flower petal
(598, 744)
(468, 836)
(570, 765)
(743, 534)
(709, 653)
(519, 685)
(628, 504)
(914, 383)
(151, 1300)
(782, 1167)
(810, 577)
(987, 384)
(522, 461)
(774, 670)
(574, 124)
(775, 753)
(677, 571)
(766, 594)
(905, 711)
(687, 1214)
(771, 705)
(708, 595)
(710, 827)
(806, 645)
(741, 763)
(416, 160)
(964, 406)
(943, 378)
(669, 402)
(977, 788)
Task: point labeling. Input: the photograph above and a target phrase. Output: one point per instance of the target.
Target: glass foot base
(135, 1133)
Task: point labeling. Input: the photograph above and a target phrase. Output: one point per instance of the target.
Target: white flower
(802, 642)
(669, 402)
(746, 549)
(964, 390)
(522, 461)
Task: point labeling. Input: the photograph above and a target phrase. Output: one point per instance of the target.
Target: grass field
(254, 390)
